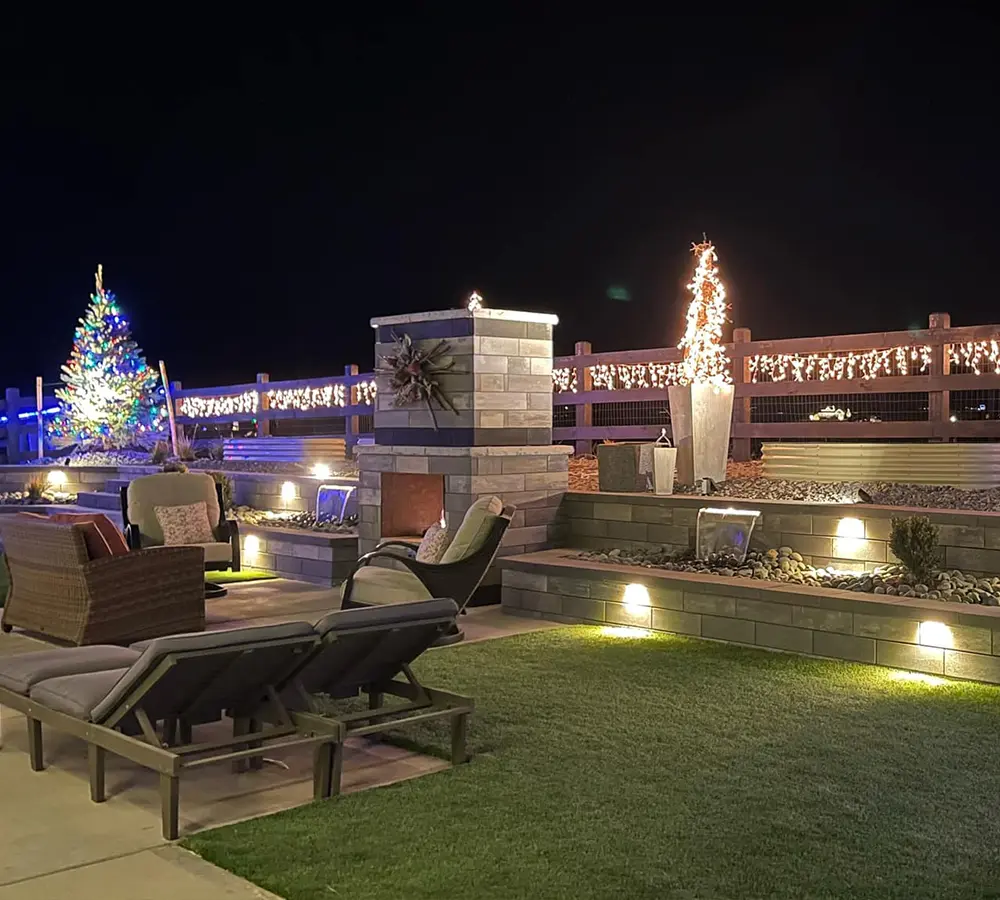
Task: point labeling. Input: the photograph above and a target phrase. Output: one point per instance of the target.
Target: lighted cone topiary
(701, 405)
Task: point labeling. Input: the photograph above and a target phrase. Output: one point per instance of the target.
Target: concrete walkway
(55, 843)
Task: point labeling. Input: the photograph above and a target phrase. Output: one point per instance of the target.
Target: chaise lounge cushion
(77, 695)
(379, 586)
(20, 673)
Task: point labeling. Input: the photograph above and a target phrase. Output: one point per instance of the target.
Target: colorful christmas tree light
(110, 395)
(705, 360)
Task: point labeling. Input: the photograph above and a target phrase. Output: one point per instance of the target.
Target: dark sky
(256, 192)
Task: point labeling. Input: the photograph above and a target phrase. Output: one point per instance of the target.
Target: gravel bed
(306, 521)
(786, 565)
(21, 498)
(345, 469)
(882, 493)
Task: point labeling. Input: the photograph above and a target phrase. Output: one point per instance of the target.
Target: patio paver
(55, 842)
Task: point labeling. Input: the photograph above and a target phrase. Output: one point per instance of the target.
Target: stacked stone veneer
(533, 479)
(316, 557)
(499, 440)
(500, 383)
(799, 619)
(970, 540)
(78, 478)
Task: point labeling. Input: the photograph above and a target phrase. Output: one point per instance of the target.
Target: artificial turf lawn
(661, 767)
(236, 577)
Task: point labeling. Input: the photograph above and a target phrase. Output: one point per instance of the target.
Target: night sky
(256, 192)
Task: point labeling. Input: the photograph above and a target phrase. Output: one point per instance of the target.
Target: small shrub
(185, 446)
(226, 483)
(160, 454)
(36, 488)
(914, 540)
(175, 466)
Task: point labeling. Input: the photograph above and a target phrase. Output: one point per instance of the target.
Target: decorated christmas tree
(110, 395)
(705, 360)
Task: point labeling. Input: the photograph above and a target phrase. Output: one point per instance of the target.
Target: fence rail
(932, 384)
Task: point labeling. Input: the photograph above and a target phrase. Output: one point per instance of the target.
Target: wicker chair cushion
(77, 695)
(168, 489)
(112, 536)
(433, 544)
(378, 586)
(474, 530)
(20, 673)
(95, 542)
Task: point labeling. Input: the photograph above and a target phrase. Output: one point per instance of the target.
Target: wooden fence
(933, 384)
(347, 398)
(922, 369)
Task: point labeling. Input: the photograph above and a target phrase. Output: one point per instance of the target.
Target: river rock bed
(306, 521)
(786, 565)
(22, 498)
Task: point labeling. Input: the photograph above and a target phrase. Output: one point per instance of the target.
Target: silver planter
(701, 417)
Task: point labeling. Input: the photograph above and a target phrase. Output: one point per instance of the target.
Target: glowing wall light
(56, 478)
(850, 539)
(251, 549)
(935, 634)
(636, 600)
(288, 492)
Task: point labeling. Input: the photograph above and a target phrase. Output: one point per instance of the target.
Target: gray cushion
(393, 614)
(20, 673)
(153, 652)
(77, 695)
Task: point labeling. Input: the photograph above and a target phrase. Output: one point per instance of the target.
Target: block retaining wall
(813, 621)
(600, 521)
(312, 556)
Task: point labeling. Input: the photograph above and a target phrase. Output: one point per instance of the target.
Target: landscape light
(251, 548)
(322, 470)
(56, 478)
(935, 634)
(636, 599)
(288, 491)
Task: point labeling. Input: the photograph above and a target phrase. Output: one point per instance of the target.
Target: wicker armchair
(57, 591)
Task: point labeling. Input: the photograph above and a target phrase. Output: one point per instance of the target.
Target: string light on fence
(610, 377)
(366, 393)
(307, 398)
(978, 356)
(864, 366)
(229, 406)
(564, 381)
(475, 301)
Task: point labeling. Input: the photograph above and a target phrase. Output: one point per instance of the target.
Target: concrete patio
(54, 842)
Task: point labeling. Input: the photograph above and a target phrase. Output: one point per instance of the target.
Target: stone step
(99, 500)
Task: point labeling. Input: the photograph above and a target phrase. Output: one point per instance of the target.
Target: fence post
(584, 411)
(263, 405)
(12, 397)
(939, 402)
(742, 446)
(351, 422)
(40, 427)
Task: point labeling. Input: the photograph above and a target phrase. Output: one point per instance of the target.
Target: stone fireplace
(498, 441)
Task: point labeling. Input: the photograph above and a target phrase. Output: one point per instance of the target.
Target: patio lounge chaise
(141, 496)
(460, 572)
(58, 591)
(364, 651)
(113, 697)
(185, 676)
